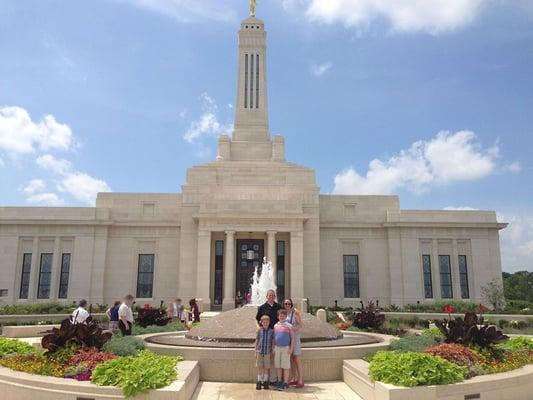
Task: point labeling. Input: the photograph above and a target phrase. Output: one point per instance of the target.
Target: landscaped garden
(453, 350)
(85, 352)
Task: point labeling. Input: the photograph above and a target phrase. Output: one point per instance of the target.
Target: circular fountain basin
(239, 325)
(224, 347)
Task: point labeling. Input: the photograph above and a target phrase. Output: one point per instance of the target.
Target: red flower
(483, 309)
(147, 306)
(449, 309)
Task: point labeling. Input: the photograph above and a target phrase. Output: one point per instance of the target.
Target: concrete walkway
(246, 391)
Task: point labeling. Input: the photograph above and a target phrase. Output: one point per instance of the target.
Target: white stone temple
(249, 203)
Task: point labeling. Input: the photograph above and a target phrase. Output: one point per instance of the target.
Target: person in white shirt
(80, 314)
(125, 315)
(179, 311)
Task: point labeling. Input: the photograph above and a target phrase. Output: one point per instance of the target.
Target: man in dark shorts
(269, 308)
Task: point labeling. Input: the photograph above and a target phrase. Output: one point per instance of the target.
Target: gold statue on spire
(252, 7)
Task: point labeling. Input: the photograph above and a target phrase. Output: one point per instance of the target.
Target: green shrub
(172, 327)
(414, 369)
(517, 343)
(124, 345)
(137, 374)
(39, 308)
(12, 346)
(434, 333)
(412, 343)
(438, 306)
(63, 354)
(503, 323)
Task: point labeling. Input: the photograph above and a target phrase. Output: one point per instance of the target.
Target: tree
(492, 292)
(518, 285)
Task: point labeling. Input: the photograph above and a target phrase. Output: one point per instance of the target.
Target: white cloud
(187, 10)
(20, 135)
(445, 159)
(50, 163)
(431, 16)
(46, 199)
(208, 123)
(320, 69)
(81, 186)
(517, 242)
(513, 167)
(33, 186)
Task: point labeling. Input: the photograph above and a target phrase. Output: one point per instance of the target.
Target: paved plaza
(246, 391)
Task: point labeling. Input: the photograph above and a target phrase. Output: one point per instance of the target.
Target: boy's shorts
(282, 358)
(263, 360)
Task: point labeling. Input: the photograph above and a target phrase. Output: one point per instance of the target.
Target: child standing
(263, 352)
(283, 348)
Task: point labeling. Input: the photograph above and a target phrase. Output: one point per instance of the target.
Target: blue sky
(429, 100)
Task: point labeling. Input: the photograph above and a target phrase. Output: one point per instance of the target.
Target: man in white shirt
(80, 314)
(125, 315)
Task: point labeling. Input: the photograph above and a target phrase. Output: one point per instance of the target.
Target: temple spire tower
(251, 137)
(251, 115)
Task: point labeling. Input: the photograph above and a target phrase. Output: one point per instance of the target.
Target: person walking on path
(179, 311)
(195, 312)
(125, 315)
(80, 314)
(295, 319)
(112, 314)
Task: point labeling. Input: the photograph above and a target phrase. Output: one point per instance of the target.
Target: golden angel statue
(252, 7)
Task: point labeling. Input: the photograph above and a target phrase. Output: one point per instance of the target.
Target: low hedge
(413, 343)
(124, 345)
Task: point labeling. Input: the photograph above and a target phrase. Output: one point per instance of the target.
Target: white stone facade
(248, 203)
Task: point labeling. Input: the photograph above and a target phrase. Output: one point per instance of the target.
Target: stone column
(203, 270)
(271, 250)
(297, 267)
(229, 272)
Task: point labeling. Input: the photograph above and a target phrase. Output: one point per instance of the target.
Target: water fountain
(262, 282)
(224, 344)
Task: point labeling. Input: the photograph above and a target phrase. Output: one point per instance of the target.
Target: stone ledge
(26, 331)
(15, 385)
(516, 385)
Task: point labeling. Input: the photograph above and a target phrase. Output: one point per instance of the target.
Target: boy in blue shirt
(264, 350)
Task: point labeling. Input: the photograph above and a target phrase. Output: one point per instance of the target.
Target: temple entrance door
(249, 255)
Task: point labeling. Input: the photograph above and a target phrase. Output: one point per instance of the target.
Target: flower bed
(135, 373)
(422, 360)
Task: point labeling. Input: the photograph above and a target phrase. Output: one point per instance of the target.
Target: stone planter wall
(513, 385)
(16, 385)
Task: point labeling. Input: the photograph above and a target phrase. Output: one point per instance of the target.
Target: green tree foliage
(518, 286)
